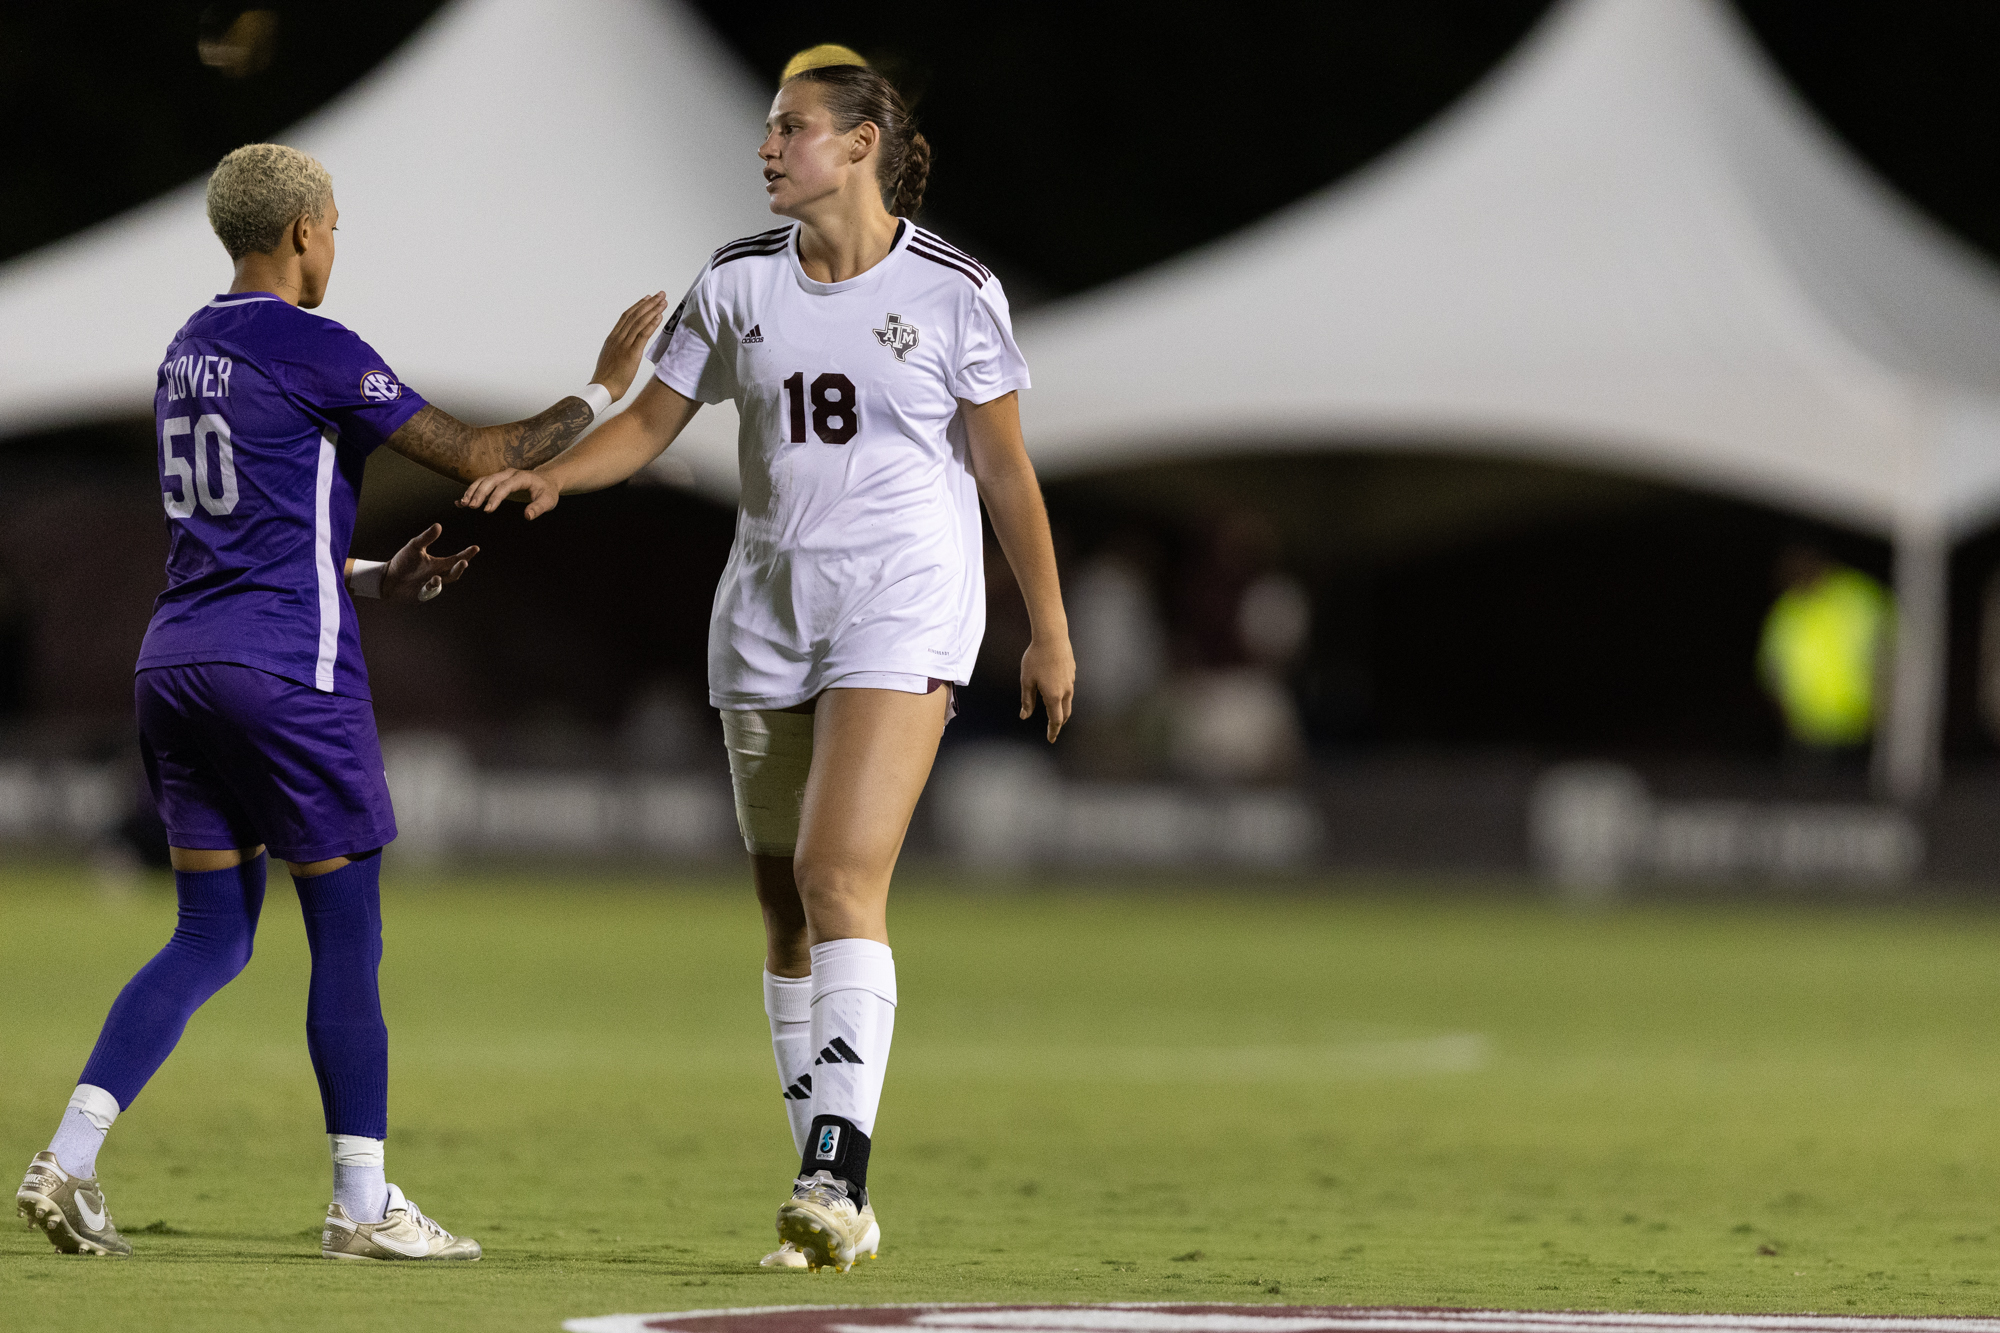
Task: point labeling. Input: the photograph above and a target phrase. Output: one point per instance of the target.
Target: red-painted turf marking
(1239, 1319)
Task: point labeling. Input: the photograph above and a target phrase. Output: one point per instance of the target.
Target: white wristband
(365, 579)
(599, 399)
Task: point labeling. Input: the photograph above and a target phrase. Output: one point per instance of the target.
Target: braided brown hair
(856, 93)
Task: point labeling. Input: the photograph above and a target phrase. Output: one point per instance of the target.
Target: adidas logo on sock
(837, 1052)
(756, 334)
(801, 1089)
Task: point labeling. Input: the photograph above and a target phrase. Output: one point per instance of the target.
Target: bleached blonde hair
(259, 190)
(819, 57)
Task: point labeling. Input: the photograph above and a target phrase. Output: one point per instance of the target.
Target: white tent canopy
(1631, 248)
(511, 179)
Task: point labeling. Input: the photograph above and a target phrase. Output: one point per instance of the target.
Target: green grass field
(1229, 1094)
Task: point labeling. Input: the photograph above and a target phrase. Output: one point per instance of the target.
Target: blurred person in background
(1245, 621)
(1989, 657)
(1823, 651)
(15, 645)
(662, 728)
(1118, 631)
(876, 382)
(255, 723)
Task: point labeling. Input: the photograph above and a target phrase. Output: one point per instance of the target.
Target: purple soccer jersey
(265, 415)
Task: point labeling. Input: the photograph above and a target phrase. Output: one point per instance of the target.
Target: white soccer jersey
(858, 544)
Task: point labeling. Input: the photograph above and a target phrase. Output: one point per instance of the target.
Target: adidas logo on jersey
(837, 1052)
(801, 1089)
(899, 337)
(756, 334)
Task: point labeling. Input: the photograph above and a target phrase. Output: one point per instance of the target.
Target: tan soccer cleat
(822, 1223)
(70, 1209)
(403, 1233)
(871, 1235)
(787, 1255)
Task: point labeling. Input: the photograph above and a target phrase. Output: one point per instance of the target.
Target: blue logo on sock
(829, 1143)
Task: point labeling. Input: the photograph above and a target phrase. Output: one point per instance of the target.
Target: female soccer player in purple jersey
(875, 376)
(254, 716)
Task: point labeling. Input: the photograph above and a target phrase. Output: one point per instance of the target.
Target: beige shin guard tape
(769, 757)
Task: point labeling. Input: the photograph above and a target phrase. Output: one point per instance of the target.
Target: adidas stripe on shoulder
(929, 245)
(772, 242)
(939, 242)
(760, 239)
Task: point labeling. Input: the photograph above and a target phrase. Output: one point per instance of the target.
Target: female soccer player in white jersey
(875, 373)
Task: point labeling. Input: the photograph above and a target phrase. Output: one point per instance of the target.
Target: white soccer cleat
(403, 1233)
(822, 1223)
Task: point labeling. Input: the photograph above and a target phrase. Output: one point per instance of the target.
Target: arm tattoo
(546, 434)
(448, 446)
(438, 440)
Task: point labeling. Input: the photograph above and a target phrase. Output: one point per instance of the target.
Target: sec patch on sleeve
(379, 386)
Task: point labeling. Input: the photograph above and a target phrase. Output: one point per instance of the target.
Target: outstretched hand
(512, 483)
(626, 344)
(1048, 670)
(415, 575)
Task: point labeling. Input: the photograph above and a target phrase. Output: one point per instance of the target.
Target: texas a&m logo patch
(899, 337)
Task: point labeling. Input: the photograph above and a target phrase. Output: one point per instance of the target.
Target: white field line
(1246, 1319)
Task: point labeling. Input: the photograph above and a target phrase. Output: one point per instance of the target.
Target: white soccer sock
(360, 1184)
(853, 1020)
(85, 1122)
(788, 1004)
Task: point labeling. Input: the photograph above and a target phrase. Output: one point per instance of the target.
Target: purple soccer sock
(210, 945)
(344, 1029)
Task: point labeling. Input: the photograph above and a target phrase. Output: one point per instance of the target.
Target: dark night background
(1075, 144)
(1142, 129)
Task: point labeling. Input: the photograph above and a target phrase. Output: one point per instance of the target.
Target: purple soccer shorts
(236, 756)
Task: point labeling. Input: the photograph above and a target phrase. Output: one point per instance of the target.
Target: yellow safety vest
(1819, 654)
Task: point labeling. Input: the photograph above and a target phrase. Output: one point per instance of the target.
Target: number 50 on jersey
(214, 487)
